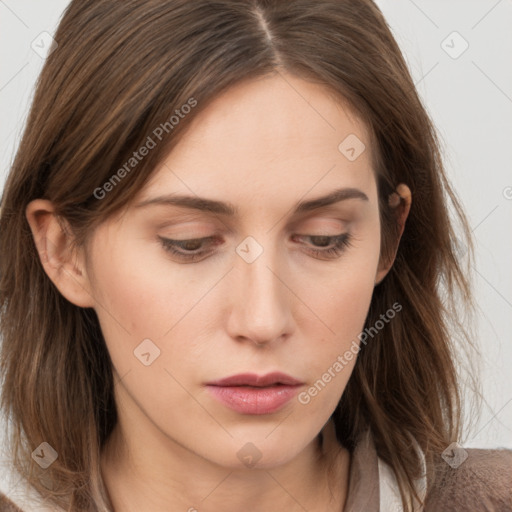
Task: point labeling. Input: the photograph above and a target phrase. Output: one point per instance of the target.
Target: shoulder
(6, 505)
(483, 481)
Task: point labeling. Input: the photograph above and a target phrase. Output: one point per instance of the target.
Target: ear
(401, 202)
(63, 263)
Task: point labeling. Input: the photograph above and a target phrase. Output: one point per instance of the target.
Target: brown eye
(191, 250)
(188, 250)
(321, 241)
(331, 246)
(191, 245)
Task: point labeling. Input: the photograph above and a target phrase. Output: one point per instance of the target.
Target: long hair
(123, 72)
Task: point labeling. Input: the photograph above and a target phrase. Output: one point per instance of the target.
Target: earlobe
(62, 262)
(400, 201)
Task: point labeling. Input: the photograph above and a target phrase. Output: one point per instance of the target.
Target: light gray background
(469, 96)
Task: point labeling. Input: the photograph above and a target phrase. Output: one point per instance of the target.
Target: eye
(329, 247)
(189, 250)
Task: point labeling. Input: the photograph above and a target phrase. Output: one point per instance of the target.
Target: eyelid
(200, 227)
(333, 251)
(320, 223)
(329, 214)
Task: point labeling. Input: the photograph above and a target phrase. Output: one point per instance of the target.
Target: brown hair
(122, 69)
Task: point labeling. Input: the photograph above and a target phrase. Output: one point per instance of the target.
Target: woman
(227, 269)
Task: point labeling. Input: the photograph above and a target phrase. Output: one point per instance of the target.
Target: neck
(163, 475)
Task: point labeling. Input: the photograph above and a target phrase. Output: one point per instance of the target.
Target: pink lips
(249, 393)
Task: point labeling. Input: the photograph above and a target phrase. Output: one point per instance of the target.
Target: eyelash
(341, 242)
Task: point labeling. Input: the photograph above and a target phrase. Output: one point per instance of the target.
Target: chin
(260, 451)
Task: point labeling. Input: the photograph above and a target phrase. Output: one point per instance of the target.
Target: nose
(260, 301)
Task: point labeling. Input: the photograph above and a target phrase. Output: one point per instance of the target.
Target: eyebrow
(228, 209)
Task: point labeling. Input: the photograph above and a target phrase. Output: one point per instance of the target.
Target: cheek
(341, 301)
(347, 301)
(136, 297)
(342, 296)
(342, 309)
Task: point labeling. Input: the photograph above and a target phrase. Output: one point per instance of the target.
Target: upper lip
(251, 379)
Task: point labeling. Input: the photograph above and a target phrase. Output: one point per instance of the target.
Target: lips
(249, 393)
(251, 379)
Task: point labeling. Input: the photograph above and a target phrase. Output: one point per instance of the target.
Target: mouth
(259, 381)
(254, 394)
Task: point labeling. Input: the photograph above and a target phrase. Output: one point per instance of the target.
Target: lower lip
(252, 400)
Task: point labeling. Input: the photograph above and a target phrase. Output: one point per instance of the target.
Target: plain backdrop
(460, 55)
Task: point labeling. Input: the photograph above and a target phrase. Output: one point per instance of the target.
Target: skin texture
(262, 146)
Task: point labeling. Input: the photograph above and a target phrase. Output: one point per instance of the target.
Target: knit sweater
(481, 483)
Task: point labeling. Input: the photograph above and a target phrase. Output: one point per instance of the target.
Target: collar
(372, 483)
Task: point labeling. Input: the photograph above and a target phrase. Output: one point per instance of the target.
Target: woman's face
(265, 291)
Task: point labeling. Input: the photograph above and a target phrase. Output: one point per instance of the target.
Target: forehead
(272, 137)
(275, 108)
